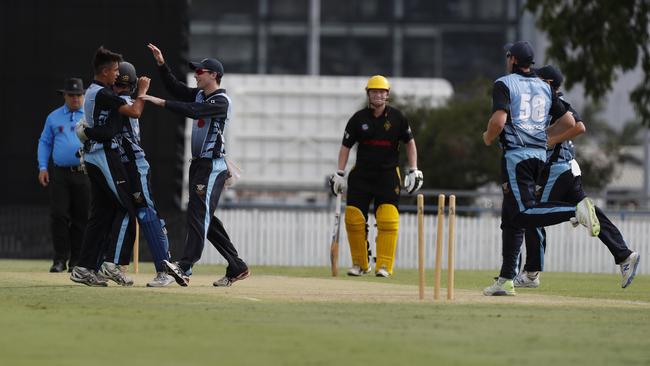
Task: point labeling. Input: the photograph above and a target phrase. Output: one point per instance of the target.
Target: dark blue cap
(208, 64)
(549, 72)
(522, 51)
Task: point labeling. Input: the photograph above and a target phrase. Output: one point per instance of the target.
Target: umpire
(68, 185)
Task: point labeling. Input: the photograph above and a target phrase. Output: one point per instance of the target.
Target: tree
(451, 152)
(600, 151)
(592, 41)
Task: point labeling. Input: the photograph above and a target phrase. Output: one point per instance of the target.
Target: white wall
(299, 238)
(287, 130)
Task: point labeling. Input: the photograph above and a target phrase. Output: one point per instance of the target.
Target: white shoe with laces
(162, 279)
(113, 272)
(356, 271)
(382, 272)
(527, 279)
(500, 287)
(586, 215)
(628, 268)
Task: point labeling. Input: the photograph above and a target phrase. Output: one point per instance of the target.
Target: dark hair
(218, 78)
(103, 58)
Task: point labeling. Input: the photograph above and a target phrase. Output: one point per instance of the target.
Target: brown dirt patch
(298, 289)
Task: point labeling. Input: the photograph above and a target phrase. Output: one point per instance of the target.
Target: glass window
(356, 56)
(441, 11)
(287, 55)
(419, 57)
(237, 53)
(289, 10)
(240, 10)
(356, 10)
(467, 56)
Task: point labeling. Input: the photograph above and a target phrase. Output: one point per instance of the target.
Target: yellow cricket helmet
(378, 82)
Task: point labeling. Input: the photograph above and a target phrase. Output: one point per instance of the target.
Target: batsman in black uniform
(378, 130)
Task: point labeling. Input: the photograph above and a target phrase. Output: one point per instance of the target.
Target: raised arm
(175, 87)
(135, 110)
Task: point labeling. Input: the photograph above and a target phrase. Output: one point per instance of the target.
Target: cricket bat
(334, 246)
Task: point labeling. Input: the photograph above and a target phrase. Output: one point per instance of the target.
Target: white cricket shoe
(628, 269)
(87, 277)
(162, 279)
(113, 272)
(527, 279)
(500, 287)
(357, 271)
(586, 215)
(382, 272)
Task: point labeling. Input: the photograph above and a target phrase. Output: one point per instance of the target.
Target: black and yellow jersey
(378, 137)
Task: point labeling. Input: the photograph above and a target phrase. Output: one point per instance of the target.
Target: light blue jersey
(131, 135)
(530, 103)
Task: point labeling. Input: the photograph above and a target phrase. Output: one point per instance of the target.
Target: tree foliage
(451, 152)
(599, 151)
(452, 155)
(593, 41)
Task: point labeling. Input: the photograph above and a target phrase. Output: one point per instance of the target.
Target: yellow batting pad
(355, 225)
(387, 226)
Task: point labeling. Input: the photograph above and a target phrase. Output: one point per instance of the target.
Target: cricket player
(210, 107)
(137, 166)
(562, 182)
(522, 106)
(111, 190)
(377, 130)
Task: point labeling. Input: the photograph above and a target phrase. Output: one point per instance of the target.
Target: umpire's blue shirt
(59, 139)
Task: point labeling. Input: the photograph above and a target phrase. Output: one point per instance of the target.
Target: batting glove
(337, 182)
(413, 181)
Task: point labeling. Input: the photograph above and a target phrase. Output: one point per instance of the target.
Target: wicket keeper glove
(413, 181)
(79, 130)
(337, 182)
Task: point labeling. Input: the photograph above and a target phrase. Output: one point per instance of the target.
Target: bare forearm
(344, 154)
(494, 127)
(134, 110)
(561, 127)
(412, 154)
(569, 134)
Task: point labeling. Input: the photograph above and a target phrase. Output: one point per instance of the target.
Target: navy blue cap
(208, 64)
(522, 51)
(549, 72)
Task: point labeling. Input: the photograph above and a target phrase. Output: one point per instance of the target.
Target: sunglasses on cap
(202, 71)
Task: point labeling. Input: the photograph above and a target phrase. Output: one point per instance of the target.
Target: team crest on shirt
(364, 127)
(397, 189)
(200, 123)
(200, 189)
(137, 196)
(506, 188)
(387, 125)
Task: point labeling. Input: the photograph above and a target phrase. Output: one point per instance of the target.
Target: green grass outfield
(301, 316)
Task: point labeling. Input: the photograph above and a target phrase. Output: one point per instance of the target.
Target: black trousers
(109, 198)
(69, 196)
(561, 185)
(206, 181)
(521, 169)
